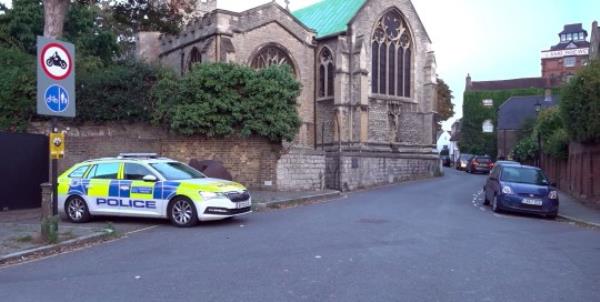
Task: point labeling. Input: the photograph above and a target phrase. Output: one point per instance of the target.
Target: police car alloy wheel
(182, 212)
(77, 210)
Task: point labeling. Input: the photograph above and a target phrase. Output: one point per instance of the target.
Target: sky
(489, 39)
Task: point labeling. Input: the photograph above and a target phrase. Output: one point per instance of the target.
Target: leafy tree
(85, 27)
(580, 105)
(445, 107)
(525, 150)
(22, 24)
(128, 17)
(17, 89)
(557, 144)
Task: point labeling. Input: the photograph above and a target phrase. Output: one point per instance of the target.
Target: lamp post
(538, 109)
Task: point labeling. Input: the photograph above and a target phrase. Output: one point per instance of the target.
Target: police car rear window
(177, 171)
(105, 171)
(79, 172)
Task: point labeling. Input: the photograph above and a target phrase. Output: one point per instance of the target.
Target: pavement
(263, 200)
(574, 210)
(430, 240)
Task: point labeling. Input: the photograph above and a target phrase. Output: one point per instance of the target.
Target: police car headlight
(211, 195)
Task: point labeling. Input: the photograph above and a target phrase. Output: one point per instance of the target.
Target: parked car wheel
(182, 212)
(495, 206)
(552, 215)
(77, 210)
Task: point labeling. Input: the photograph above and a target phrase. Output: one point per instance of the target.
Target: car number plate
(533, 202)
(243, 204)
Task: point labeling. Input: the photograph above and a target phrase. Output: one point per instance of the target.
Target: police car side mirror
(150, 178)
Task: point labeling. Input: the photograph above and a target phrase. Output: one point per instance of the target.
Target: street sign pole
(54, 173)
(56, 98)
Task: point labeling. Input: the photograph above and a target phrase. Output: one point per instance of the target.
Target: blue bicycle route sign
(55, 78)
(57, 98)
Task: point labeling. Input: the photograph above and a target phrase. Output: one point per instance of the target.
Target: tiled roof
(573, 28)
(562, 46)
(508, 84)
(516, 110)
(329, 17)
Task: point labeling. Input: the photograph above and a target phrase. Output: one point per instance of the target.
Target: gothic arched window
(391, 56)
(195, 57)
(271, 55)
(326, 73)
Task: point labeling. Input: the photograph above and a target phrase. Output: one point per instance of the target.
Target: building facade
(366, 67)
(563, 60)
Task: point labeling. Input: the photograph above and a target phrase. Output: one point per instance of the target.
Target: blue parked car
(520, 188)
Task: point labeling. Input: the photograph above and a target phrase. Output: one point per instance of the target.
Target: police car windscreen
(177, 171)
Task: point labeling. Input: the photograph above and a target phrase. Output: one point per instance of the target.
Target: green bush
(525, 150)
(115, 92)
(557, 144)
(550, 127)
(217, 100)
(580, 105)
(17, 89)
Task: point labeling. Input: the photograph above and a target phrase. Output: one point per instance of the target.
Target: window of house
(195, 57)
(570, 61)
(563, 38)
(569, 37)
(391, 56)
(272, 55)
(487, 126)
(326, 73)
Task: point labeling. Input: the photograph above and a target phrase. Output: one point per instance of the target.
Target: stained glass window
(391, 56)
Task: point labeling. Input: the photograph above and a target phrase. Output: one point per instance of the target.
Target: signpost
(55, 98)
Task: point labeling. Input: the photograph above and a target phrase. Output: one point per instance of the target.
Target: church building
(367, 69)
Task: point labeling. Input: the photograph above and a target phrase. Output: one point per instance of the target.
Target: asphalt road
(422, 241)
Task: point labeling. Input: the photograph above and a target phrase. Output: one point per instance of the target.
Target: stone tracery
(391, 53)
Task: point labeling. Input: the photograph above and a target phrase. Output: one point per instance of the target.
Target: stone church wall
(367, 169)
(301, 170)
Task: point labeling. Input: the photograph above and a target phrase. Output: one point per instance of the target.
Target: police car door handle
(124, 187)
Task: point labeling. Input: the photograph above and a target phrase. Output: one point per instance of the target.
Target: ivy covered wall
(473, 140)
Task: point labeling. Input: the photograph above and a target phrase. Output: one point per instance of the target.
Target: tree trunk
(55, 12)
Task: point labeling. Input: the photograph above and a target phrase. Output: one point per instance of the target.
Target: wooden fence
(579, 174)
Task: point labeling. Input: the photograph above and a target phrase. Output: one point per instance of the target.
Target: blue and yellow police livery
(143, 185)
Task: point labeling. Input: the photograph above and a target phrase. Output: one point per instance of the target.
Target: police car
(144, 185)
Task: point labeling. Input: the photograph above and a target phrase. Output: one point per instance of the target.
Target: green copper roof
(329, 16)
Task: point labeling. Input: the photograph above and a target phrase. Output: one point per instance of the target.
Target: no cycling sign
(55, 78)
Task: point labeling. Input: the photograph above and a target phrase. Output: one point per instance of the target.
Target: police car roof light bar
(138, 155)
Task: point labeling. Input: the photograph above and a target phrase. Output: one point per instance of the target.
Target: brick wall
(251, 161)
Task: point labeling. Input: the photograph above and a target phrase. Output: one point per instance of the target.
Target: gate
(23, 167)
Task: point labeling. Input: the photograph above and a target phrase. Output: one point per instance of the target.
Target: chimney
(469, 83)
